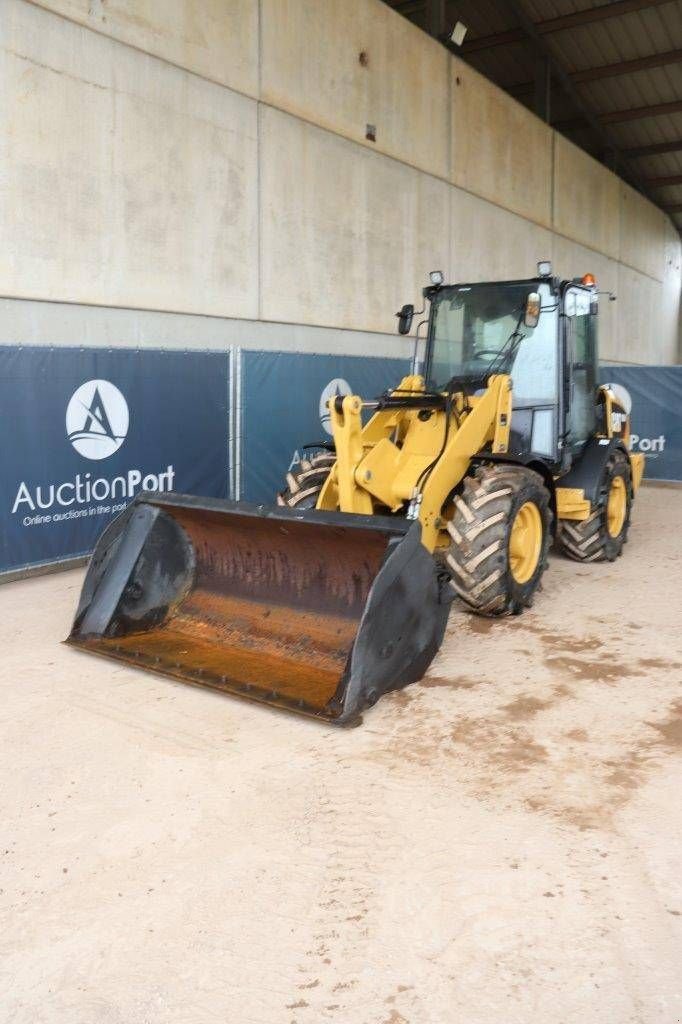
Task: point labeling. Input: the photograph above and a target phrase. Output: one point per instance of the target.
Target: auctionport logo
(334, 388)
(97, 422)
(97, 419)
(652, 446)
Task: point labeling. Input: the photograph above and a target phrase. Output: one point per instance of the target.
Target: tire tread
(588, 540)
(477, 558)
(306, 481)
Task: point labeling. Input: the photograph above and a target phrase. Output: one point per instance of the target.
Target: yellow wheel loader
(453, 484)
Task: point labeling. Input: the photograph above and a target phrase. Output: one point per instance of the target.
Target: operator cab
(540, 331)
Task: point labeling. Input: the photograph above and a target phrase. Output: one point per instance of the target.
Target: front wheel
(500, 534)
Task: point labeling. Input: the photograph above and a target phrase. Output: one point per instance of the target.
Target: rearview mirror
(405, 319)
(532, 314)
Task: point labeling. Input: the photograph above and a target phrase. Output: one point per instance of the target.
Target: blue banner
(83, 430)
(284, 408)
(656, 417)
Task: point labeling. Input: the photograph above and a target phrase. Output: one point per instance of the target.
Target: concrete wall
(125, 180)
(215, 39)
(586, 199)
(498, 151)
(212, 158)
(311, 67)
(346, 232)
(63, 324)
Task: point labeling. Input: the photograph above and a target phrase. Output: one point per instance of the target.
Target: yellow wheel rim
(525, 542)
(616, 506)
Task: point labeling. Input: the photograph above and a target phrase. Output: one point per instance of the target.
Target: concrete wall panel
(639, 320)
(638, 327)
(490, 243)
(311, 67)
(586, 199)
(347, 235)
(217, 39)
(126, 181)
(642, 233)
(499, 149)
(670, 296)
(63, 325)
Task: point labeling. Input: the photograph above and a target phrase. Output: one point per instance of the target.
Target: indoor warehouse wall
(297, 163)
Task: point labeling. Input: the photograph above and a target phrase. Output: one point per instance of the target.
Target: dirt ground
(499, 843)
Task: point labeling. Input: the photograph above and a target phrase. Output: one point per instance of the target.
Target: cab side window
(581, 350)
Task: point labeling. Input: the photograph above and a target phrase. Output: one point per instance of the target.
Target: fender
(587, 470)
(530, 461)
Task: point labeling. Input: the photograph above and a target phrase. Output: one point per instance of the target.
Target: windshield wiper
(512, 343)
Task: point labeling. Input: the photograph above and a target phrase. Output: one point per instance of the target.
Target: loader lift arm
(390, 461)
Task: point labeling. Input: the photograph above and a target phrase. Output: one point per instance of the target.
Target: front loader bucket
(316, 612)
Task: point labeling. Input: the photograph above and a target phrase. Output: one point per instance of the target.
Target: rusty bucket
(315, 612)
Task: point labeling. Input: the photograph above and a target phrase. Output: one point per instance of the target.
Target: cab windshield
(478, 329)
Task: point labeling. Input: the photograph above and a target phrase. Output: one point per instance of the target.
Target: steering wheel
(487, 352)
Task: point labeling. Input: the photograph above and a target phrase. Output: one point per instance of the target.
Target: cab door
(580, 332)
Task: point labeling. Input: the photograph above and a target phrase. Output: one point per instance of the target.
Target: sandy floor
(500, 843)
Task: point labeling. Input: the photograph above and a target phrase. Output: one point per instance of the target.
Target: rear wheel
(500, 534)
(306, 481)
(601, 537)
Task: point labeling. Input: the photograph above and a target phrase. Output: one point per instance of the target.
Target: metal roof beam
(637, 113)
(586, 17)
(542, 100)
(656, 149)
(435, 17)
(621, 116)
(626, 67)
(621, 67)
(670, 179)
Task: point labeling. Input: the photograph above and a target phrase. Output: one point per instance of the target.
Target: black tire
(591, 540)
(481, 566)
(305, 483)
